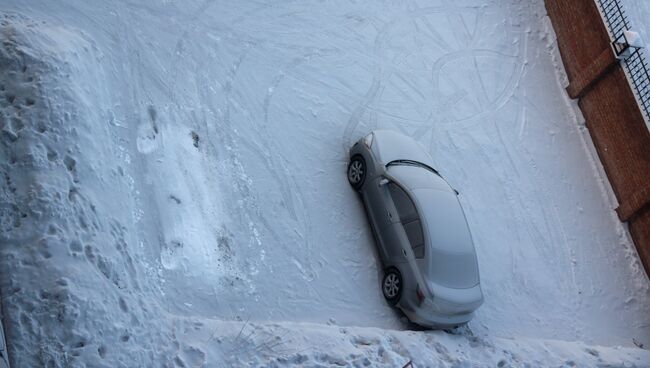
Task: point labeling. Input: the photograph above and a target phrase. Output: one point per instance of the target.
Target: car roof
(445, 220)
(450, 255)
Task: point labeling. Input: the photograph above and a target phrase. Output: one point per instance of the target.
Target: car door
(417, 263)
(402, 211)
(381, 211)
(408, 228)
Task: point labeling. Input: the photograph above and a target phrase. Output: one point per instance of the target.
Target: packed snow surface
(174, 188)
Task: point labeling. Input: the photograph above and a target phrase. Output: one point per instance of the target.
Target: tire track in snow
(246, 208)
(178, 48)
(487, 104)
(370, 95)
(382, 73)
(285, 179)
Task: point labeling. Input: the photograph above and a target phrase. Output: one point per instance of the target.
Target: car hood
(391, 146)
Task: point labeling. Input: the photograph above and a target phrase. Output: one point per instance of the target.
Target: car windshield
(452, 258)
(414, 176)
(412, 163)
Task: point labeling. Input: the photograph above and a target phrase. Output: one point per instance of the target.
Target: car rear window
(458, 271)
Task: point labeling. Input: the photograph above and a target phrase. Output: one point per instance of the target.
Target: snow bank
(310, 345)
(68, 267)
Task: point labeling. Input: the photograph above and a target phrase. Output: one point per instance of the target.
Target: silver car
(430, 267)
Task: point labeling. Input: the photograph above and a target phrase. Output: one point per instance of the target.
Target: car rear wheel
(357, 172)
(392, 285)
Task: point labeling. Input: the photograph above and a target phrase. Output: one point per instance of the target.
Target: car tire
(357, 171)
(392, 285)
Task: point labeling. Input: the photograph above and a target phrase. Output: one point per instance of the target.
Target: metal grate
(637, 69)
(615, 17)
(635, 65)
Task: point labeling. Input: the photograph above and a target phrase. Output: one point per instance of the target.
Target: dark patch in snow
(195, 139)
(175, 199)
(152, 118)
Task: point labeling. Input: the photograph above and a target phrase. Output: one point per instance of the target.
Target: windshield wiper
(413, 163)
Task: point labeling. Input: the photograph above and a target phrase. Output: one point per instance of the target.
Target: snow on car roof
(445, 220)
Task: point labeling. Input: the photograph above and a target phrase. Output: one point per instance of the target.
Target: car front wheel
(357, 171)
(392, 285)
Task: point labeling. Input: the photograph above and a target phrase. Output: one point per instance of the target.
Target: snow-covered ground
(174, 185)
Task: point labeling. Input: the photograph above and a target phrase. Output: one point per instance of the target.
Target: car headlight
(367, 140)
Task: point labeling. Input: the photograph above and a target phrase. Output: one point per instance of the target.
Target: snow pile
(299, 345)
(69, 269)
(638, 13)
(168, 168)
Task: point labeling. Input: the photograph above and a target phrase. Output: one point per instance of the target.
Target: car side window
(403, 204)
(409, 218)
(413, 231)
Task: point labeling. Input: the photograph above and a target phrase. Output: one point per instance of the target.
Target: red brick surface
(619, 134)
(613, 117)
(637, 202)
(587, 78)
(580, 32)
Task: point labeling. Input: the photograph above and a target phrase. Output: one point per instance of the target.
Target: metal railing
(635, 64)
(614, 16)
(637, 70)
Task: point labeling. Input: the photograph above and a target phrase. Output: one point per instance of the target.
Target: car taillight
(420, 294)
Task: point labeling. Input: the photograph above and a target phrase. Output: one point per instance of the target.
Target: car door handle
(404, 252)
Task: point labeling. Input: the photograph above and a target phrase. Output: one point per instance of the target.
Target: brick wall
(612, 115)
